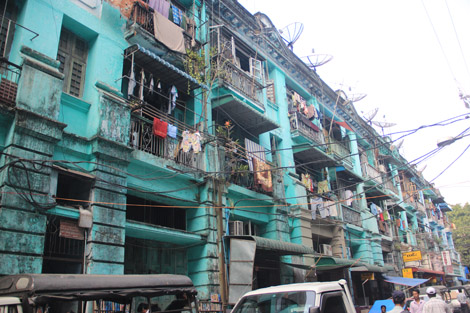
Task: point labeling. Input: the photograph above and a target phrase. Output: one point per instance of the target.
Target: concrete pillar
(25, 187)
(105, 246)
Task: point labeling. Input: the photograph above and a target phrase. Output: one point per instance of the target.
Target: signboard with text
(446, 260)
(407, 273)
(411, 256)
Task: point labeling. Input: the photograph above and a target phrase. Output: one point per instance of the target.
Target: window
(69, 186)
(150, 212)
(333, 303)
(63, 246)
(72, 55)
(7, 29)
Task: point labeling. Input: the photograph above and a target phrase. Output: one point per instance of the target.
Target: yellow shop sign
(411, 256)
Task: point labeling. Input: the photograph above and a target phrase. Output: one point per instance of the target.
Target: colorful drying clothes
(263, 175)
(172, 131)
(191, 141)
(160, 128)
(177, 15)
(323, 186)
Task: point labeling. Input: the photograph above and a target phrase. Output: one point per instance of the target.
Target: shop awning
(425, 270)
(280, 247)
(405, 281)
(369, 268)
(166, 71)
(243, 114)
(444, 207)
(325, 264)
(463, 279)
(329, 263)
(163, 234)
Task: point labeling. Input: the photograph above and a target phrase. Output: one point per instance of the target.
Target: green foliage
(460, 216)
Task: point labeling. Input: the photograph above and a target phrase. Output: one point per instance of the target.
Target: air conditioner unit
(235, 228)
(326, 250)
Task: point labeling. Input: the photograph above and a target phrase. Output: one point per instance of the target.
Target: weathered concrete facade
(266, 158)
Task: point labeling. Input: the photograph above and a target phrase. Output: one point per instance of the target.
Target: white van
(320, 297)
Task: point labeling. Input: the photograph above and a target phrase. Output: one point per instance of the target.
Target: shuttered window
(72, 55)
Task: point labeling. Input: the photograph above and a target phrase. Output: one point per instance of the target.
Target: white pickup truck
(321, 297)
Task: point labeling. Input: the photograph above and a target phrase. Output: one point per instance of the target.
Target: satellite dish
(383, 125)
(356, 97)
(291, 33)
(400, 143)
(315, 60)
(369, 116)
(465, 98)
(423, 168)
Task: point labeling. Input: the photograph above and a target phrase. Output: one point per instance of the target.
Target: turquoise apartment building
(186, 137)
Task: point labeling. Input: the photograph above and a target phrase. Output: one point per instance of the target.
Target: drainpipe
(220, 228)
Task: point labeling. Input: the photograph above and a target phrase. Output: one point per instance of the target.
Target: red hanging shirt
(160, 128)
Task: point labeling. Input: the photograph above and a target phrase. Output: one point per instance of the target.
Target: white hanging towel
(131, 85)
(141, 87)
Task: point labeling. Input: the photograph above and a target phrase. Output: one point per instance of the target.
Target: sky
(410, 57)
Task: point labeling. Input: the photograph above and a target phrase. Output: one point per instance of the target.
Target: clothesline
(151, 112)
(179, 103)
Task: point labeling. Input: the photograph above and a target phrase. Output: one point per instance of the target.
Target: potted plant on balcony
(236, 167)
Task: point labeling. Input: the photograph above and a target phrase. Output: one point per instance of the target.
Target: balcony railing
(339, 150)
(306, 127)
(9, 76)
(421, 207)
(238, 171)
(352, 217)
(371, 173)
(390, 186)
(384, 228)
(142, 138)
(244, 83)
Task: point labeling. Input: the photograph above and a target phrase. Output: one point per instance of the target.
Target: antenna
(357, 97)
(315, 60)
(369, 116)
(291, 33)
(383, 125)
(400, 143)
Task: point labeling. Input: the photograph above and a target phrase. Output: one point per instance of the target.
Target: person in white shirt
(417, 304)
(463, 301)
(435, 305)
(398, 298)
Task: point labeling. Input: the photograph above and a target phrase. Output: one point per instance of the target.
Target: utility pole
(218, 185)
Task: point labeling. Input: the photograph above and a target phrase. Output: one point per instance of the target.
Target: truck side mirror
(314, 309)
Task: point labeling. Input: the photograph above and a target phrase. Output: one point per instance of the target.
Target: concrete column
(33, 134)
(105, 246)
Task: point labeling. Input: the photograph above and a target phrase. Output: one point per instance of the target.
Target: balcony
(384, 228)
(371, 173)
(304, 127)
(390, 186)
(351, 216)
(339, 150)
(141, 30)
(241, 82)
(142, 138)
(9, 76)
(241, 170)
(421, 208)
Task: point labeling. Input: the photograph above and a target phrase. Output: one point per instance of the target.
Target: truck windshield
(284, 302)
